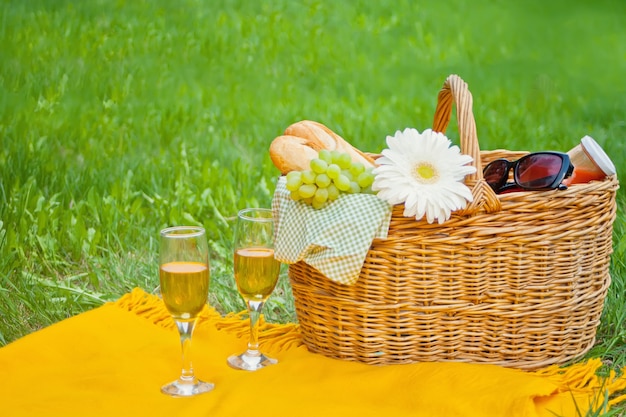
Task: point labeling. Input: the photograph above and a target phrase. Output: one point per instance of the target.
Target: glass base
(249, 362)
(182, 388)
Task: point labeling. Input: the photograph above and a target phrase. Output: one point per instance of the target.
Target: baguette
(302, 142)
(332, 141)
(292, 153)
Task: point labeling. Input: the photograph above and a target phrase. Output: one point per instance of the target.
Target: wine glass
(256, 273)
(184, 279)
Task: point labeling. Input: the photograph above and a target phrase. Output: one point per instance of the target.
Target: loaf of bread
(302, 142)
(292, 153)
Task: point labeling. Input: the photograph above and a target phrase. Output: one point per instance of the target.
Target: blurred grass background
(118, 118)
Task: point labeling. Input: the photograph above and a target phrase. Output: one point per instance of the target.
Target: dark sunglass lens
(538, 171)
(496, 173)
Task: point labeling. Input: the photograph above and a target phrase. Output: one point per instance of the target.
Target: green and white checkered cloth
(333, 240)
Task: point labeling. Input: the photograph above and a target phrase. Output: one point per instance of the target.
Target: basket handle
(455, 90)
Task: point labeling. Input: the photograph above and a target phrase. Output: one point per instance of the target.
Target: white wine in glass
(184, 279)
(256, 274)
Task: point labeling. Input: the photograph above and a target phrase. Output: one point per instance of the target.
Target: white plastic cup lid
(597, 155)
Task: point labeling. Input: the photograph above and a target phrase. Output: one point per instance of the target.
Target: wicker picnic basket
(518, 280)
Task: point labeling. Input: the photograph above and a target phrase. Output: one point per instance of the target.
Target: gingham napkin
(333, 240)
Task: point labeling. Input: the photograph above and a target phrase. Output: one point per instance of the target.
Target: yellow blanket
(111, 361)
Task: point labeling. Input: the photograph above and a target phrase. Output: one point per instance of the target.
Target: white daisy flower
(425, 173)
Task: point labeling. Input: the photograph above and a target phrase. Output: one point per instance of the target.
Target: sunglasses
(535, 171)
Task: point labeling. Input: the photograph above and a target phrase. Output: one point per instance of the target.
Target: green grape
(345, 162)
(333, 192)
(326, 156)
(308, 177)
(295, 195)
(294, 180)
(365, 179)
(321, 195)
(317, 205)
(346, 173)
(307, 190)
(333, 171)
(342, 183)
(322, 180)
(354, 188)
(335, 156)
(318, 166)
(308, 201)
(356, 169)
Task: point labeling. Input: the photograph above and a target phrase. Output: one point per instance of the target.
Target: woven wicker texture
(517, 280)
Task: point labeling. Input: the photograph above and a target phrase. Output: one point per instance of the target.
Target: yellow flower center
(426, 173)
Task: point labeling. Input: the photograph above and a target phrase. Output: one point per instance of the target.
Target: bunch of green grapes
(331, 174)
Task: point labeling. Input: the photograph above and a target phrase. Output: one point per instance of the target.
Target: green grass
(118, 118)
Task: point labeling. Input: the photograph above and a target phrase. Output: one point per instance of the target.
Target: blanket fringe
(583, 378)
(273, 337)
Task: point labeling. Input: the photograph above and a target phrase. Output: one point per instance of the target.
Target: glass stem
(185, 329)
(254, 311)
